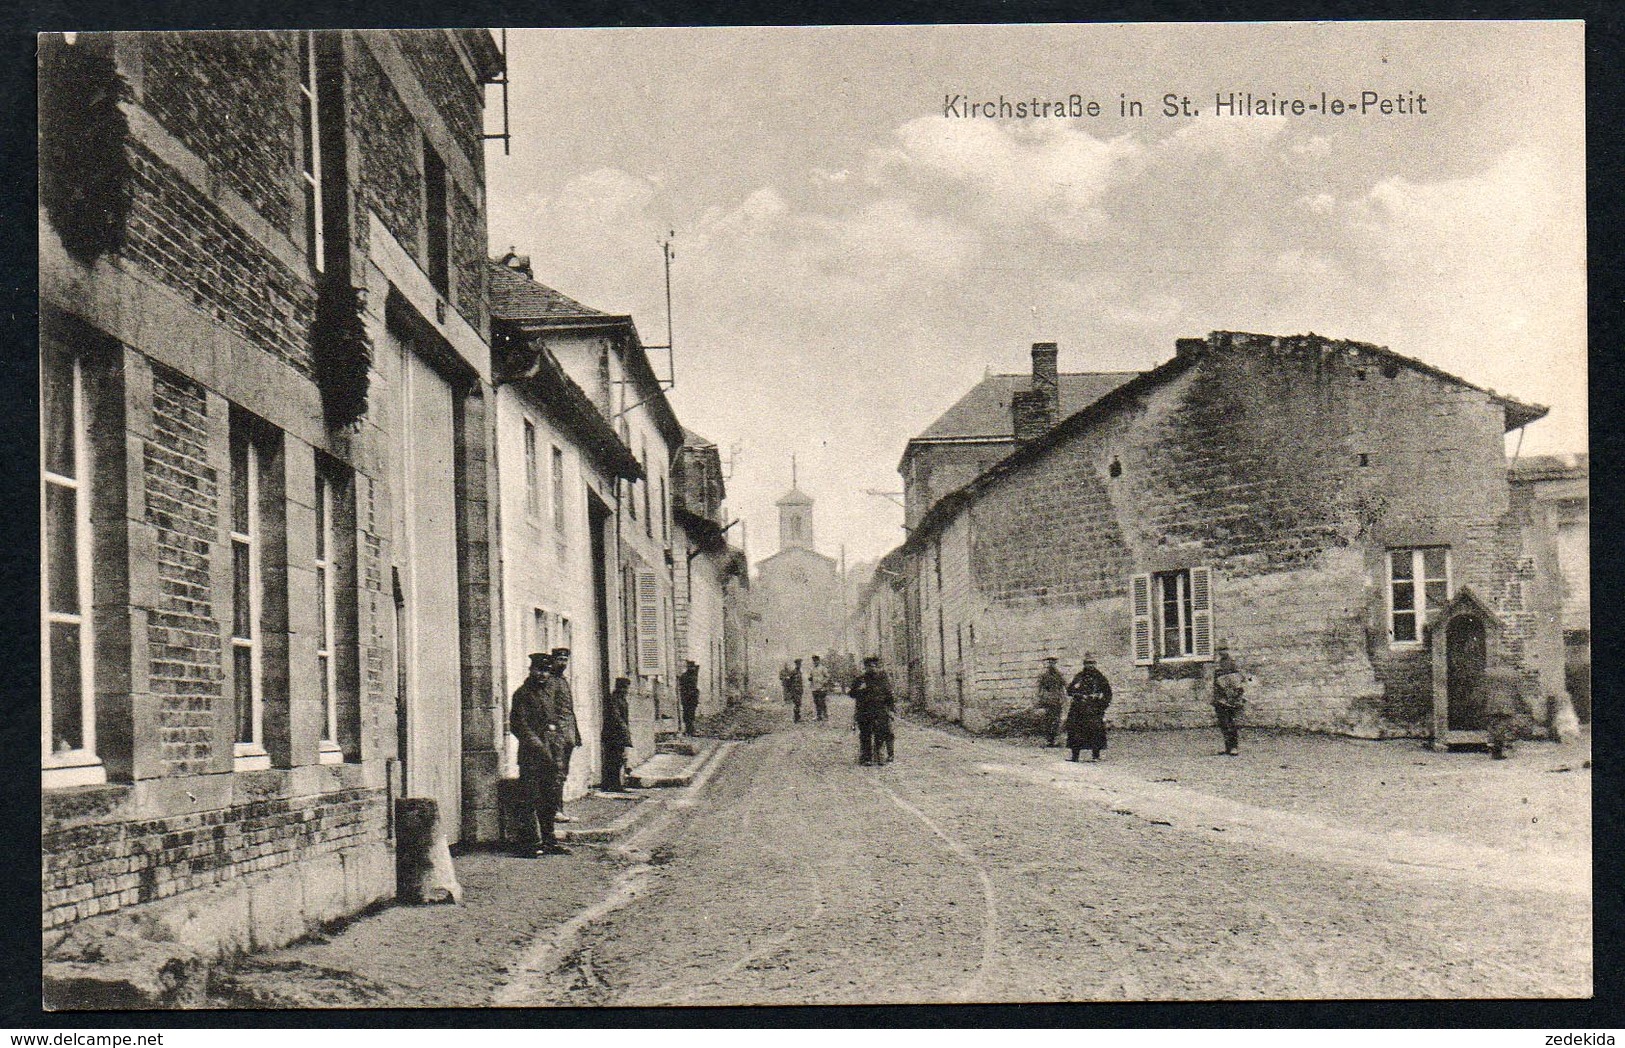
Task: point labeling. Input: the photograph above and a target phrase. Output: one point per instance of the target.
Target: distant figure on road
(1500, 697)
(794, 690)
(1051, 698)
(873, 704)
(688, 693)
(818, 680)
(1086, 721)
(1227, 699)
(534, 722)
(617, 735)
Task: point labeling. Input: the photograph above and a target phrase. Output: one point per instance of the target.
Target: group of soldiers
(543, 719)
(795, 685)
(1091, 695)
(873, 704)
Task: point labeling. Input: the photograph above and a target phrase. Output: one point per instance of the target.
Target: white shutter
(648, 600)
(1202, 612)
(1140, 589)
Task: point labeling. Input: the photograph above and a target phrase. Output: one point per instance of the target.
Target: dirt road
(973, 870)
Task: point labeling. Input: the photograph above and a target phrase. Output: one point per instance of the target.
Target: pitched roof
(1517, 413)
(516, 297)
(985, 410)
(795, 497)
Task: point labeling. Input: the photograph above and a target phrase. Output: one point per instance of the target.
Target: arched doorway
(1462, 638)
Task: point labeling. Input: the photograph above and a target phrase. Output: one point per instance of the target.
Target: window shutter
(1141, 599)
(649, 660)
(1202, 612)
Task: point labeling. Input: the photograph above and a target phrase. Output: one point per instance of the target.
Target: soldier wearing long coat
(543, 755)
(1091, 694)
(872, 707)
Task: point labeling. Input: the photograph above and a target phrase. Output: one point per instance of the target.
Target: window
(533, 493)
(1172, 615)
(67, 678)
(650, 653)
(1418, 583)
(436, 250)
(247, 596)
(558, 494)
(311, 173)
(541, 636)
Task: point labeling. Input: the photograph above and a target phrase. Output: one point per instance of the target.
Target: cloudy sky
(850, 260)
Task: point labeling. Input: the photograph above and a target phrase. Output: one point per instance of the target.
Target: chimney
(518, 263)
(1033, 411)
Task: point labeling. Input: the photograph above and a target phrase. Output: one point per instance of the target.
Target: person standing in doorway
(1227, 699)
(818, 680)
(564, 706)
(1051, 697)
(532, 720)
(797, 688)
(1086, 720)
(688, 694)
(617, 735)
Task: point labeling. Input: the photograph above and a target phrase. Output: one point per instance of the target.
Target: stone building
(562, 462)
(603, 355)
(1339, 513)
(265, 485)
(1561, 487)
(978, 430)
(796, 597)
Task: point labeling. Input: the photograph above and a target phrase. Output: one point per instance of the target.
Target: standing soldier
(796, 689)
(1227, 699)
(818, 678)
(785, 673)
(532, 721)
(688, 693)
(1086, 721)
(872, 708)
(1051, 697)
(617, 735)
(564, 708)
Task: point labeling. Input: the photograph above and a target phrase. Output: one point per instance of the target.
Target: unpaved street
(976, 870)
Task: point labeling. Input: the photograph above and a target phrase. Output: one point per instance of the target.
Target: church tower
(795, 516)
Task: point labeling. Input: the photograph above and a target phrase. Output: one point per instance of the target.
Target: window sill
(72, 769)
(329, 753)
(1405, 645)
(248, 756)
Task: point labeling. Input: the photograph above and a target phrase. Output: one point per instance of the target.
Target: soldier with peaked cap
(1051, 698)
(564, 709)
(688, 694)
(1227, 699)
(1086, 721)
(872, 707)
(534, 722)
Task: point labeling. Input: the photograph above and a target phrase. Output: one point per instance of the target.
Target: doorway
(1464, 660)
(597, 523)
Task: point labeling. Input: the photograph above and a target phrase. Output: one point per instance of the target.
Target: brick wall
(182, 495)
(97, 867)
(434, 62)
(216, 93)
(468, 258)
(391, 154)
(187, 243)
(1289, 467)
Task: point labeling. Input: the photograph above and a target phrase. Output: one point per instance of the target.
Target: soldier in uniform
(1227, 699)
(872, 708)
(534, 722)
(617, 735)
(688, 694)
(1086, 721)
(794, 689)
(818, 680)
(1051, 697)
(564, 708)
